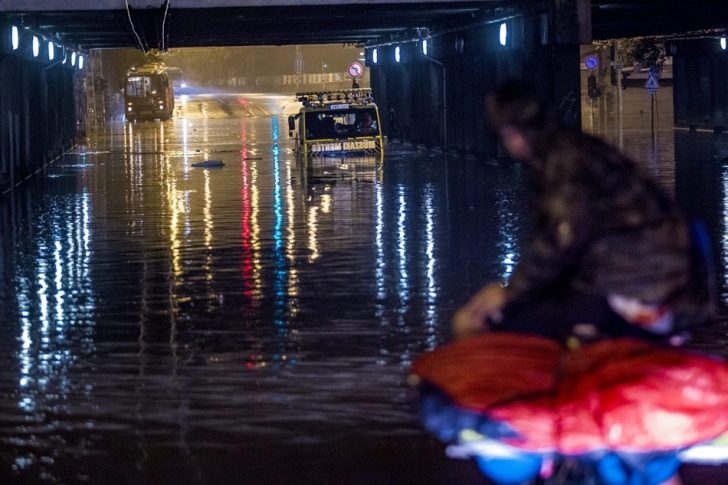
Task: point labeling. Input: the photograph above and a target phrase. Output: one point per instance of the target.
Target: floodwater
(254, 323)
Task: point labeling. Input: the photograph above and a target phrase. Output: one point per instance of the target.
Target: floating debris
(209, 163)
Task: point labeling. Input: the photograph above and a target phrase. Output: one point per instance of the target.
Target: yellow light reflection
(291, 242)
(208, 214)
(326, 203)
(185, 155)
(176, 208)
(313, 234)
(255, 232)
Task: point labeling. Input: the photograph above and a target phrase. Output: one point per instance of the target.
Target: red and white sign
(355, 69)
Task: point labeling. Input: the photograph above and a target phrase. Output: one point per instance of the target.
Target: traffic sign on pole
(355, 69)
(591, 62)
(652, 83)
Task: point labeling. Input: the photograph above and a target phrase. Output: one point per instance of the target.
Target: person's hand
(469, 320)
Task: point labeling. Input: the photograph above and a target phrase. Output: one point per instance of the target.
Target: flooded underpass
(166, 323)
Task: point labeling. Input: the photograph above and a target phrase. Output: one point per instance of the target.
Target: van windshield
(341, 123)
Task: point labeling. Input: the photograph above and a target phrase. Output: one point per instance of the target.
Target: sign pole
(652, 116)
(591, 63)
(652, 86)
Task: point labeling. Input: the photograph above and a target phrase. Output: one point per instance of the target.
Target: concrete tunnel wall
(37, 113)
(700, 80)
(475, 63)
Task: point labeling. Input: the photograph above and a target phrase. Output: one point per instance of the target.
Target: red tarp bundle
(615, 394)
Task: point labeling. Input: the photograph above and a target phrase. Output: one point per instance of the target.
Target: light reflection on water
(164, 307)
(55, 304)
(165, 314)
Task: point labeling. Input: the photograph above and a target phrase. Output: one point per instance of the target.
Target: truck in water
(335, 123)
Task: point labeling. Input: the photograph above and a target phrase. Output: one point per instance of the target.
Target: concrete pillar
(571, 22)
(700, 80)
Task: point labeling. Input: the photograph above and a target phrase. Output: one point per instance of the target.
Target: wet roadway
(254, 323)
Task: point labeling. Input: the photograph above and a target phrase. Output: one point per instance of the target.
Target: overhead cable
(164, 20)
(128, 11)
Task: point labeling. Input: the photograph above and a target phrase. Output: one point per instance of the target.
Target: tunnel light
(722, 43)
(503, 34)
(80, 62)
(15, 38)
(424, 46)
(51, 51)
(73, 59)
(36, 46)
(375, 56)
(397, 54)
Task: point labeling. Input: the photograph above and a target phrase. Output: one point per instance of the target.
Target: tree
(648, 51)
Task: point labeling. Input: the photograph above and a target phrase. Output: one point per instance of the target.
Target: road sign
(652, 83)
(591, 62)
(355, 69)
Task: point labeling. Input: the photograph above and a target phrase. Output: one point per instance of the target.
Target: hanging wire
(128, 11)
(164, 20)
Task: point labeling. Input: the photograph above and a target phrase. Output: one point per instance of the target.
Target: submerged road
(249, 324)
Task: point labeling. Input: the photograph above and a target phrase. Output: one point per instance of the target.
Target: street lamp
(323, 74)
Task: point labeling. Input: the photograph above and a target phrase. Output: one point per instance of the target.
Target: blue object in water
(615, 470)
(511, 470)
(209, 163)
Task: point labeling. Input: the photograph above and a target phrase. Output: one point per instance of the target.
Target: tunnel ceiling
(360, 23)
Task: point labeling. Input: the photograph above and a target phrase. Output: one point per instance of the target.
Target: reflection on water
(161, 310)
(688, 165)
(49, 315)
(168, 322)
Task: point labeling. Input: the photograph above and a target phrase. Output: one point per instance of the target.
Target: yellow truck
(337, 123)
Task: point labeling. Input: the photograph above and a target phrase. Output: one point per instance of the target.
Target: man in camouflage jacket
(610, 248)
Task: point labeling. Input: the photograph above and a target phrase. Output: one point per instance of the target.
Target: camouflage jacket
(604, 227)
